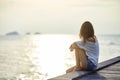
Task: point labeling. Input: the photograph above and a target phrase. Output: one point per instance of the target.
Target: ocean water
(40, 57)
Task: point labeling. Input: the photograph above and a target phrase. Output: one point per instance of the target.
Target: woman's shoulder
(80, 42)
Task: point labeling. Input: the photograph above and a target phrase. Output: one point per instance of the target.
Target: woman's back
(91, 49)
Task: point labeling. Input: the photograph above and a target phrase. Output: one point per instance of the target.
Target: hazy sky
(59, 16)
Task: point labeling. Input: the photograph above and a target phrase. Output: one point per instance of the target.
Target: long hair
(86, 31)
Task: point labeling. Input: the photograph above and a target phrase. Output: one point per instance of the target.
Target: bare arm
(73, 46)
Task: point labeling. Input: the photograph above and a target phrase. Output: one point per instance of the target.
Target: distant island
(17, 33)
(37, 33)
(12, 33)
(28, 33)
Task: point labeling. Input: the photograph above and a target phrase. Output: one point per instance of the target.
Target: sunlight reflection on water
(39, 57)
(50, 52)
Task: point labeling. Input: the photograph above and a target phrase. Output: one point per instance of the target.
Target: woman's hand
(73, 46)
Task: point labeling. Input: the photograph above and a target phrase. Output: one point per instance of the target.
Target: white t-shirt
(91, 49)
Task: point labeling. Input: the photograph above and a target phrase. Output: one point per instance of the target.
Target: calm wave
(41, 57)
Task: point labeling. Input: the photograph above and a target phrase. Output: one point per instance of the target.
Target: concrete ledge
(78, 74)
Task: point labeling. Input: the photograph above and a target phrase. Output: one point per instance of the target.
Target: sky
(59, 16)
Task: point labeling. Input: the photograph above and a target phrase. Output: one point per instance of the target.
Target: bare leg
(81, 60)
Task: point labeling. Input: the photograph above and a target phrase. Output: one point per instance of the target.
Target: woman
(86, 50)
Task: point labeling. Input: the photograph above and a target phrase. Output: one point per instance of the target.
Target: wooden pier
(107, 70)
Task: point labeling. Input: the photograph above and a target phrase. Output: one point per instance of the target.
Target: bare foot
(76, 68)
(70, 69)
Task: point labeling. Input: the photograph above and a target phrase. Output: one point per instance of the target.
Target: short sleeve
(80, 44)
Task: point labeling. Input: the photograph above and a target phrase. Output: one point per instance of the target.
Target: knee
(75, 45)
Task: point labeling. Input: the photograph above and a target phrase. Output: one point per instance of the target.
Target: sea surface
(40, 57)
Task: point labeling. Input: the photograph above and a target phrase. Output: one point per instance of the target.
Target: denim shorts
(90, 65)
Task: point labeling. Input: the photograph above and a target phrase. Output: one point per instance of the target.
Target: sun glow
(49, 53)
